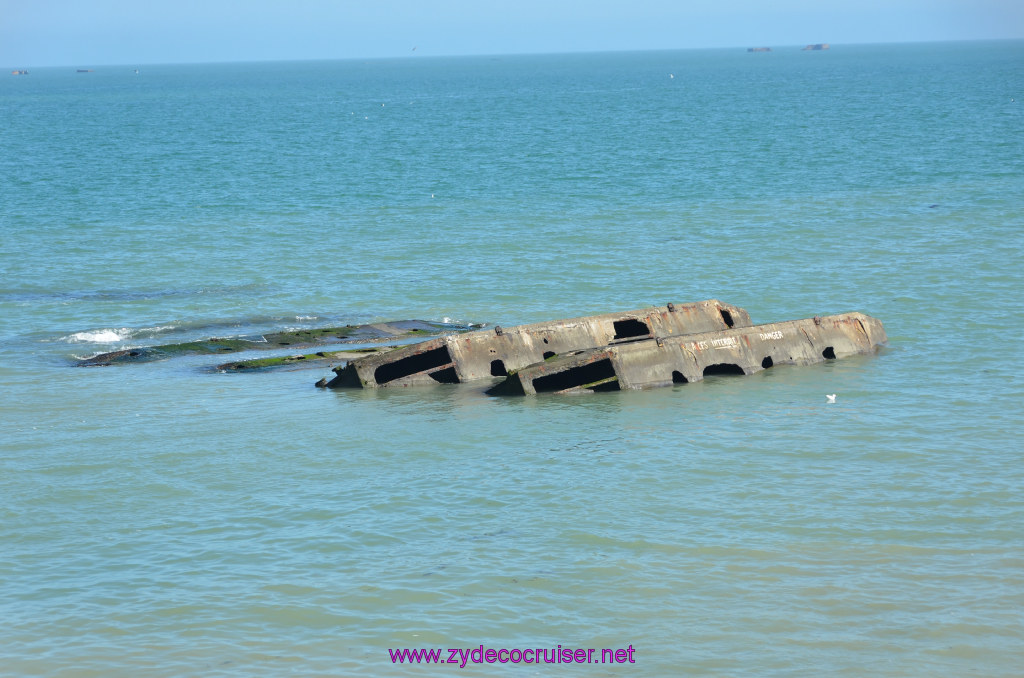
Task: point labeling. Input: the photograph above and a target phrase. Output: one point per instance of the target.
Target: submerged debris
(679, 360)
(306, 359)
(389, 332)
(495, 353)
(659, 346)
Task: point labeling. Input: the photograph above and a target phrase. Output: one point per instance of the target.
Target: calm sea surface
(164, 519)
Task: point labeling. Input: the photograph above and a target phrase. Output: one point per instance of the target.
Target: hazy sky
(96, 32)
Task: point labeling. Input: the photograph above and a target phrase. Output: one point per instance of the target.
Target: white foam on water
(99, 336)
(462, 323)
(114, 335)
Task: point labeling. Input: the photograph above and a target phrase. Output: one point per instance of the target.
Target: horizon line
(795, 46)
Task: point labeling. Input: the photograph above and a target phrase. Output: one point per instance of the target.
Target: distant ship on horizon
(817, 47)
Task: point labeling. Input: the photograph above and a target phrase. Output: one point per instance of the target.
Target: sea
(172, 519)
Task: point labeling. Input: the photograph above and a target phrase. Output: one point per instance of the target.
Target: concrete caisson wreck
(498, 352)
(662, 361)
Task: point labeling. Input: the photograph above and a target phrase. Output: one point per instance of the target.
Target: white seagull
(830, 398)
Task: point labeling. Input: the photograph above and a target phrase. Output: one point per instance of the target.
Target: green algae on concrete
(306, 360)
(370, 333)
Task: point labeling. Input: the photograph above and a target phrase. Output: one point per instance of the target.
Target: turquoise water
(165, 519)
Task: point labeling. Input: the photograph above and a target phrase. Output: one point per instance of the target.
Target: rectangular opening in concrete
(631, 328)
(723, 368)
(498, 368)
(421, 362)
(606, 385)
(445, 376)
(580, 375)
(726, 317)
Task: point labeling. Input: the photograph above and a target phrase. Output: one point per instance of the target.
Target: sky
(102, 32)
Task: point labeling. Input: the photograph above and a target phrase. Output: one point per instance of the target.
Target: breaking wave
(98, 336)
(111, 336)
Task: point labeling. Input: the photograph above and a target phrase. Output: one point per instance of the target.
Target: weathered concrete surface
(496, 352)
(663, 361)
(349, 334)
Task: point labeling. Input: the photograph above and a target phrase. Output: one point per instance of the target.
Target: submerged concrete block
(293, 339)
(662, 361)
(495, 353)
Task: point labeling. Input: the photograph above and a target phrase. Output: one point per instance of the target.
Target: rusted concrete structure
(496, 352)
(664, 360)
